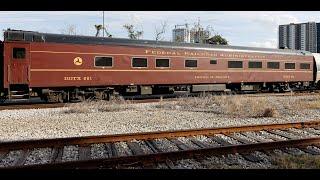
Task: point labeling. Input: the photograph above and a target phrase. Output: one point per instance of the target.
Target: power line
(103, 23)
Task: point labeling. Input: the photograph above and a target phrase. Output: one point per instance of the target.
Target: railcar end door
(19, 70)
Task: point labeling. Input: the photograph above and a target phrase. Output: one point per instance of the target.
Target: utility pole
(103, 23)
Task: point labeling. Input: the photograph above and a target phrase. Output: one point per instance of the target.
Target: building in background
(199, 35)
(181, 33)
(318, 37)
(283, 37)
(303, 36)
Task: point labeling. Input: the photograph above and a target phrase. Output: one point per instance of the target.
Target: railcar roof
(32, 36)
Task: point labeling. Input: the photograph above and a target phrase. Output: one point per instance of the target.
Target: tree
(100, 27)
(217, 39)
(159, 31)
(132, 33)
(69, 30)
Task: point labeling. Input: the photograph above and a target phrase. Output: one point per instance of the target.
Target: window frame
(304, 63)
(155, 63)
(213, 60)
(235, 67)
(295, 67)
(112, 58)
(255, 67)
(185, 60)
(273, 61)
(140, 58)
(25, 53)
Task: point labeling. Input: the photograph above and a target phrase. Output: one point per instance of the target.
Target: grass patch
(312, 102)
(91, 106)
(297, 162)
(240, 106)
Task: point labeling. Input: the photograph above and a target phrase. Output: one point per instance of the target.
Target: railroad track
(146, 150)
(41, 105)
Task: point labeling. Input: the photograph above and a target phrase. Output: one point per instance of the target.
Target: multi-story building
(292, 35)
(283, 37)
(181, 33)
(303, 36)
(318, 37)
(199, 35)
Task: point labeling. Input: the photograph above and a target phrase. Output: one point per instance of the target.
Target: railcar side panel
(52, 65)
(1, 66)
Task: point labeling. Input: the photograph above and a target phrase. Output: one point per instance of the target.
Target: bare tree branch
(69, 29)
(132, 33)
(100, 27)
(159, 31)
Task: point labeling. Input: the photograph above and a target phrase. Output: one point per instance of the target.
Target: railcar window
(255, 64)
(162, 63)
(139, 62)
(304, 66)
(19, 53)
(289, 65)
(103, 61)
(213, 61)
(235, 64)
(273, 65)
(191, 63)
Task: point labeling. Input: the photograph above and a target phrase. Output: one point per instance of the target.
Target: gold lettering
(288, 76)
(72, 78)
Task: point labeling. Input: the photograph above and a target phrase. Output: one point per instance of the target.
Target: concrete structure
(181, 33)
(318, 37)
(283, 37)
(303, 36)
(199, 35)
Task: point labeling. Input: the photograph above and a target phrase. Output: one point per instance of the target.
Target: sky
(240, 28)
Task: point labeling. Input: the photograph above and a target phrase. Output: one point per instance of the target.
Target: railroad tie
(251, 157)
(114, 150)
(310, 151)
(290, 131)
(317, 128)
(3, 154)
(179, 144)
(240, 139)
(84, 152)
(107, 147)
(288, 151)
(170, 164)
(313, 132)
(135, 148)
(23, 157)
(57, 153)
(199, 143)
(268, 136)
(152, 145)
(252, 138)
(220, 141)
(282, 134)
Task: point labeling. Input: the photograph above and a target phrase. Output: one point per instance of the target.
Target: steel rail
(58, 142)
(175, 155)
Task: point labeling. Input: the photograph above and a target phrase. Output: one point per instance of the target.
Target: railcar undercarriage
(60, 95)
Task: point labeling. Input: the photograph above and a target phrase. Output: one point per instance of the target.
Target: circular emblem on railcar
(77, 61)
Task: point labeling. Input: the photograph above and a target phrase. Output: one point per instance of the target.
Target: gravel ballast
(57, 123)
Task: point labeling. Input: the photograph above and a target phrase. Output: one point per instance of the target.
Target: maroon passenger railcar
(62, 67)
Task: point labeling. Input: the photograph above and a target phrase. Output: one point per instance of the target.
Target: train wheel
(54, 98)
